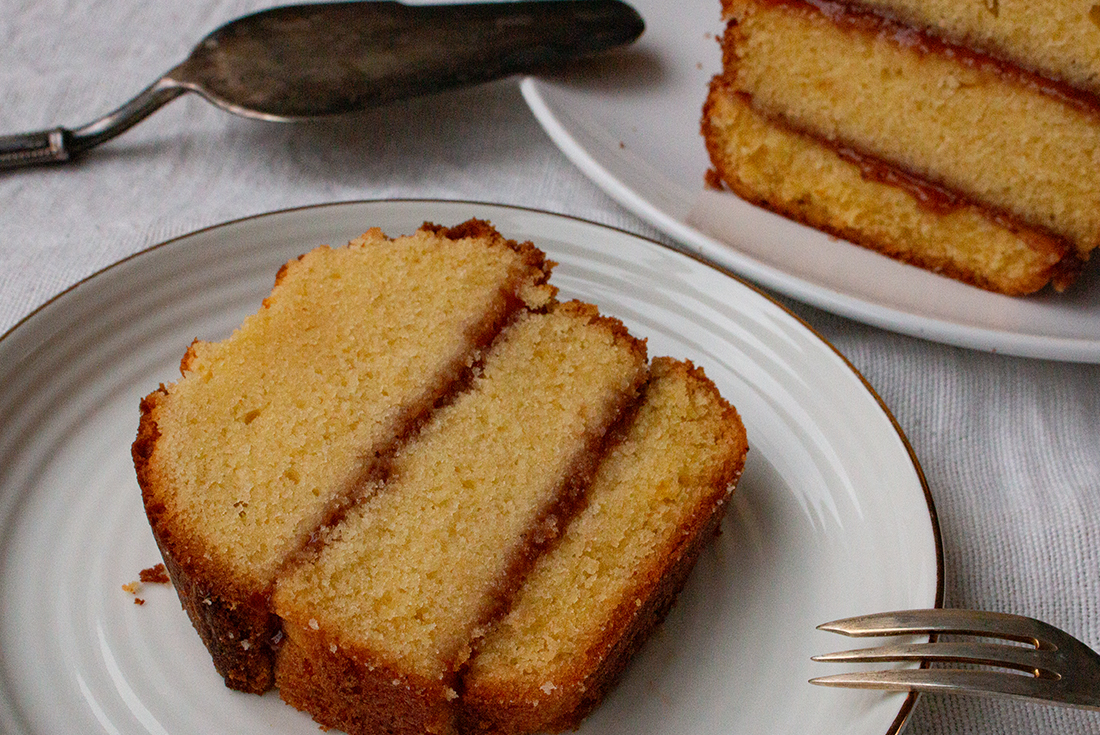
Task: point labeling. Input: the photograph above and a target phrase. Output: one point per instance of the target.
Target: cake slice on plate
(898, 138)
(270, 433)
(375, 489)
(380, 623)
(594, 597)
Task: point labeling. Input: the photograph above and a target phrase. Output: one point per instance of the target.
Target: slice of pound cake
(868, 202)
(378, 626)
(419, 494)
(901, 139)
(591, 600)
(271, 432)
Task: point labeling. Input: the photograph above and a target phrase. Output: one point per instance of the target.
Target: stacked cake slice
(959, 136)
(414, 488)
(405, 582)
(590, 601)
(273, 431)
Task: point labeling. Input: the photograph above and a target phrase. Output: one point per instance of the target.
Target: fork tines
(1051, 665)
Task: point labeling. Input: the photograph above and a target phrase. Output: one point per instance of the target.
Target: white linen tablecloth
(1010, 446)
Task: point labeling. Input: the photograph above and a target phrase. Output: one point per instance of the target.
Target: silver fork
(1051, 666)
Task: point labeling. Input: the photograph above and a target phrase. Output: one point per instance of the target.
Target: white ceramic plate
(630, 121)
(832, 517)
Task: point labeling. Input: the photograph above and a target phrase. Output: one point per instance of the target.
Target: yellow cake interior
(280, 420)
(677, 460)
(771, 164)
(410, 575)
(1062, 40)
(971, 127)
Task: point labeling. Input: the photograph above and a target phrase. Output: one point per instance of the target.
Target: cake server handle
(31, 149)
(317, 59)
(60, 144)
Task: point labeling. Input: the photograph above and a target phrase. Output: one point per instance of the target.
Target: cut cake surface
(866, 202)
(402, 587)
(1059, 39)
(353, 489)
(960, 132)
(591, 600)
(271, 431)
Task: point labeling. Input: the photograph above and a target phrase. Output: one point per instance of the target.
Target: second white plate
(832, 517)
(630, 121)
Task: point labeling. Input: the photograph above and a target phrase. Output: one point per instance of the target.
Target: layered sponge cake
(591, 600)
(960, 136)
(396, 598)
(270, 432)
(371, 493)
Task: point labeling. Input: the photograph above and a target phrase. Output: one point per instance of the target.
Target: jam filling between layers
(928, 195)
(855, 17)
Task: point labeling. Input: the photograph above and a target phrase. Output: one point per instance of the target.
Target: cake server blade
(304, 61)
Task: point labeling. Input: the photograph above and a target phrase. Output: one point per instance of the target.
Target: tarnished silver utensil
(304, 61)
(1036, 660)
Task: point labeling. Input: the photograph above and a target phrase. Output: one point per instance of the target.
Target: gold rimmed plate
(832, 517)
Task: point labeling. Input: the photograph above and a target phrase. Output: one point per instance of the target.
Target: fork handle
(31, 149)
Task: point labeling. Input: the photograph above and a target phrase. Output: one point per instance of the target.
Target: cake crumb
(154, 575)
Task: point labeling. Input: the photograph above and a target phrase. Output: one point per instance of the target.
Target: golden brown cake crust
(234, 624)
(339, 689)
(227, 624)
